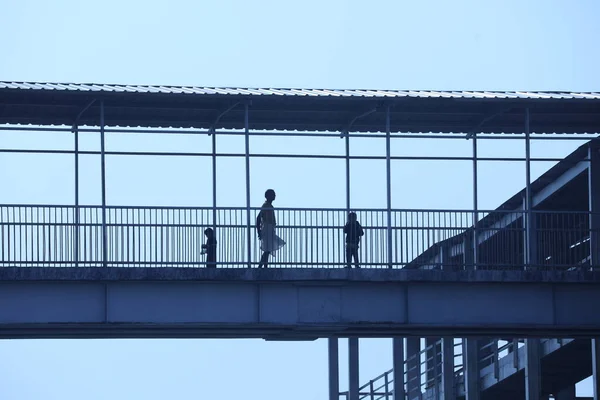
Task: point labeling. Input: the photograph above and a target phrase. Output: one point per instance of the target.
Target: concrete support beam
(398, 350)
(413, 367)
(471, 368)
(448, 386)
(301, 309)
(533, 370)
(334, 369)
(353, 375)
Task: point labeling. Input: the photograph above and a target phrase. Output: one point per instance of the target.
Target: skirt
(269, 240)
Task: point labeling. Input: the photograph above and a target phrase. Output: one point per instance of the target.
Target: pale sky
(459, 45)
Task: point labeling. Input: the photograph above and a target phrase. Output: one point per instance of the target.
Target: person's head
(352, 216)
(209, 232)
(270, 195)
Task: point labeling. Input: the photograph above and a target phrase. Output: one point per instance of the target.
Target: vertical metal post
(247, 153)
(334, 369)
(475, 201)
(596, 367)
(103, 178)
(353, 375)
(533, 370)
(76, 244)
(398, 361)
(471, 362)
(515, 353)
(348, 171)
(388, 181)
(530, 230)
(594, 203)
(496, 359)
(448, 369)
(214, 179)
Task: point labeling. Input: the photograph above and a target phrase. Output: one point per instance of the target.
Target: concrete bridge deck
(295, 304)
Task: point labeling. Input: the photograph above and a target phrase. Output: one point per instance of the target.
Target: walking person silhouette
(265, 228)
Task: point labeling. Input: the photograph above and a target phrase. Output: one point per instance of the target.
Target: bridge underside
(295, 304)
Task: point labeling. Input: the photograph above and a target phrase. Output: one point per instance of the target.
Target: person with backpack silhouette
(354, 232)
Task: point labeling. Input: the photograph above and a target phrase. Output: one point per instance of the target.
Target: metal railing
(422, 373)
(65, 236)
(424, 378)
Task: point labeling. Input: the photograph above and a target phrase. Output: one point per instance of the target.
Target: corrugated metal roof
(198, 90)
(326, 110)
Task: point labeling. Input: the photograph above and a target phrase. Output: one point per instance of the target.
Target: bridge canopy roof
(411, 111)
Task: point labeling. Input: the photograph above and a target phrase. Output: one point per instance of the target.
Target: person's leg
(348, 256)
(211, 259)
(355, 255)
(264, 260)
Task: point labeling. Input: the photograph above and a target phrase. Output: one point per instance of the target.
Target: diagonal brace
(488, 118)
(344, 131)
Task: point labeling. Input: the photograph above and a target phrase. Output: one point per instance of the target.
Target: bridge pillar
(566, 394)
(448, 388)
(471, 368)
(353, 375)
(433, 362)
(533, 370)
(596, 367)
(594, 203)
(398, 350)
(334, 369)
(413, 367)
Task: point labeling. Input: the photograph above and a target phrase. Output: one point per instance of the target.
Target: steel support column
(530, 229)
(334, 368)
(388, 181)
(594, 203)
(413, 367)
(475, 204)
(468, 245)
(214, 180)
(75, 130)
(353, 374)
(347, 139)
(448, 388)
(533, 370)
(567, 393)
(398, 361)
(103, 182)
(247, 155)
(76, 235)
(471, 362)
(596, 367)
(433, 360)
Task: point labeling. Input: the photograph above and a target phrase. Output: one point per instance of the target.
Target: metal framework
(122, 236)
(546, 226)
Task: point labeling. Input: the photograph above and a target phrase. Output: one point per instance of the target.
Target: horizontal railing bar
(268, 155)
(466, 212)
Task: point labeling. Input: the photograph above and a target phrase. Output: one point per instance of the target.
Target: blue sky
(492, 45)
